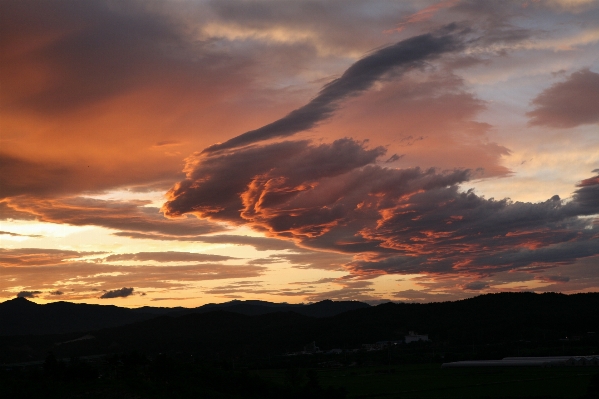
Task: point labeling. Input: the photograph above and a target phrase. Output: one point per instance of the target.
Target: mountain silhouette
(492, 323)
(20, 316)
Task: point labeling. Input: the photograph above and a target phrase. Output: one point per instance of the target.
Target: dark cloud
(165, 143)
(259, 243)
(570, 103)
(307, 260)
(475, 285)
(581, 276)
(172, 299)
(356, 79)
(128, 216)
(57, 292)
(394, 158)
(224, 177)
(335, 198)
(95, 50)
(8, 233)
(60, 59)
(8, 213)
(120, 293)
(28, 294)
(349, 291)
(554, 279)
(428, 296)
(167, 256)
(20, 175)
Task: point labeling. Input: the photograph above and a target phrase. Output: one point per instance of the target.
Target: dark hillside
(20, 316)
(491, 325)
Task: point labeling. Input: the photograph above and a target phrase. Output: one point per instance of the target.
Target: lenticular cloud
(356, 79)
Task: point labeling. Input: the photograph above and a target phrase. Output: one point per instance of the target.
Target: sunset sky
(177, 153)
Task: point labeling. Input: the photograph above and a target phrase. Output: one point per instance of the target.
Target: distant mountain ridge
(20, 316)
(495, 324)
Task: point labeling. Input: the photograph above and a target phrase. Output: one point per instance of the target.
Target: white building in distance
(413, 337)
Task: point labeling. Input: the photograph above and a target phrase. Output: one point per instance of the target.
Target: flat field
(431, 381)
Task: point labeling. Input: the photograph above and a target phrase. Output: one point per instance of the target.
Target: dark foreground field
(135, 376)
(430, 381)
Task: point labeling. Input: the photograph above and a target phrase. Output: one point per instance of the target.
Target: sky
(177, 153)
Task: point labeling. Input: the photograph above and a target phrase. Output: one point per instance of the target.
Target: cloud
(228, 291)
(259, 243)
(428, 296)
(8, 233)
(57, 292)
(172, 299)
(37, 269)
(165, 143)
(81, 69)
(475, 285)
(88, 275)
(326, 28)
(336, 198)
(125, 216)
(28, 294)
(113, 94)
(8, 213)
(568, 104)
(401, 110)
(223, 177)
(96, 50)
(424, 15)
(49, 177)
(167, 256)
(554, 279)
(356, 79)
(121, 293)
(22, 257)
(349, 291)
(307, 259)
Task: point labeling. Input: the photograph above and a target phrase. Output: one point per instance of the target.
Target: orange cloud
(423, 15)
(49, 270)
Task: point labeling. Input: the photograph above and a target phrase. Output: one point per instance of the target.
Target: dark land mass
(20, 316)
(487, 326)
(213, 352)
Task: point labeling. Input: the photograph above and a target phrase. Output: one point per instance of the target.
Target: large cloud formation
(341, 197)
(335, 197)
